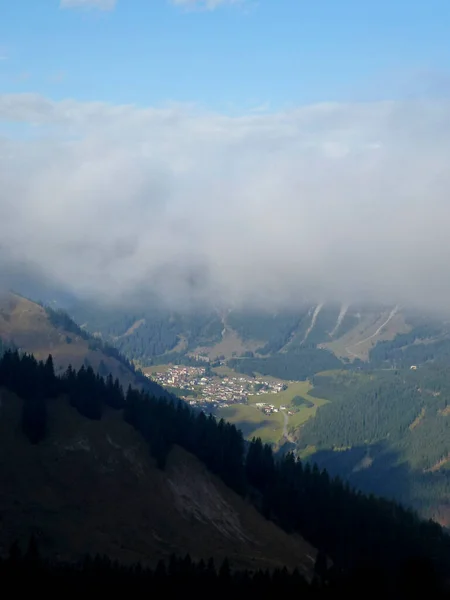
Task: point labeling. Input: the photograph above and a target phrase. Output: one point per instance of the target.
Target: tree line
(61, 320)
(183, 575)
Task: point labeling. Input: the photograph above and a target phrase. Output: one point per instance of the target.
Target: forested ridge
(408, 407)
(388, 431)
(411, 349)
(299, 364)
(155, 335)
(286, 343)
(346, 525)
(145, 334)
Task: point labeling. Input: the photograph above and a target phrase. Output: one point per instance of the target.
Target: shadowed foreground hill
(92, 486)
(77, 469)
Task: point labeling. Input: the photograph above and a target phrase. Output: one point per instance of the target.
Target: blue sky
(240, 55)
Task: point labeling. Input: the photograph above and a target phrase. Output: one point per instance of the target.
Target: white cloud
(328, 201)
(205, 4)
(100, 4)
(111, 4)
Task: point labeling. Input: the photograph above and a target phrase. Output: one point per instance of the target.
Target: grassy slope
(253, 422)
(357, 342)
(27, 325)
(343, 346)
(92, 486)
(270, 427)
(230, 345)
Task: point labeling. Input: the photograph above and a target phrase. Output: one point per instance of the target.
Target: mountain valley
(144, 479)
(366, 394)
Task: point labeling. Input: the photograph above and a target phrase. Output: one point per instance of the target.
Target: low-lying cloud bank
(331, 201)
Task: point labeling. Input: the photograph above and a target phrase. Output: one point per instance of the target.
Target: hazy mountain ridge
(350, 332)
(406, 339)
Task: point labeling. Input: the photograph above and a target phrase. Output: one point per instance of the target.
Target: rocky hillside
(92, 486)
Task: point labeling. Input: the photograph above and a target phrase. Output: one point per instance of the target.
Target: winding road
(285, 429)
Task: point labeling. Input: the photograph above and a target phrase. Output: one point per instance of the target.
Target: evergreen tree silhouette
(34, 418)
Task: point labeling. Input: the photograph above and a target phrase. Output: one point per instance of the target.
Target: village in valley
(199, 386)
(260, 405)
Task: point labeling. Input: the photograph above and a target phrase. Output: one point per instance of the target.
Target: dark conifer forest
(182, 575)
(354, 530)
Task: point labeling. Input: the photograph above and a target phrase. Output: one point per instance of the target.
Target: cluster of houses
(181, 377)
(269, 409)
(202, 389)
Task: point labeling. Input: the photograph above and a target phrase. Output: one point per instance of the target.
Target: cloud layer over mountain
(331, 201)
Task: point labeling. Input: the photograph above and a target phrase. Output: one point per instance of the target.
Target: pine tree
(103, 369)
(32, 555)
(320, 566)
(50, 387)
(34, 418)
(15, 554)
(225, 571)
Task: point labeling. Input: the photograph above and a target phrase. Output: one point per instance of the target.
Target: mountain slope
(388, 432)
(348, 331)
(38, 331)
(93, 487)
(101, 502)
